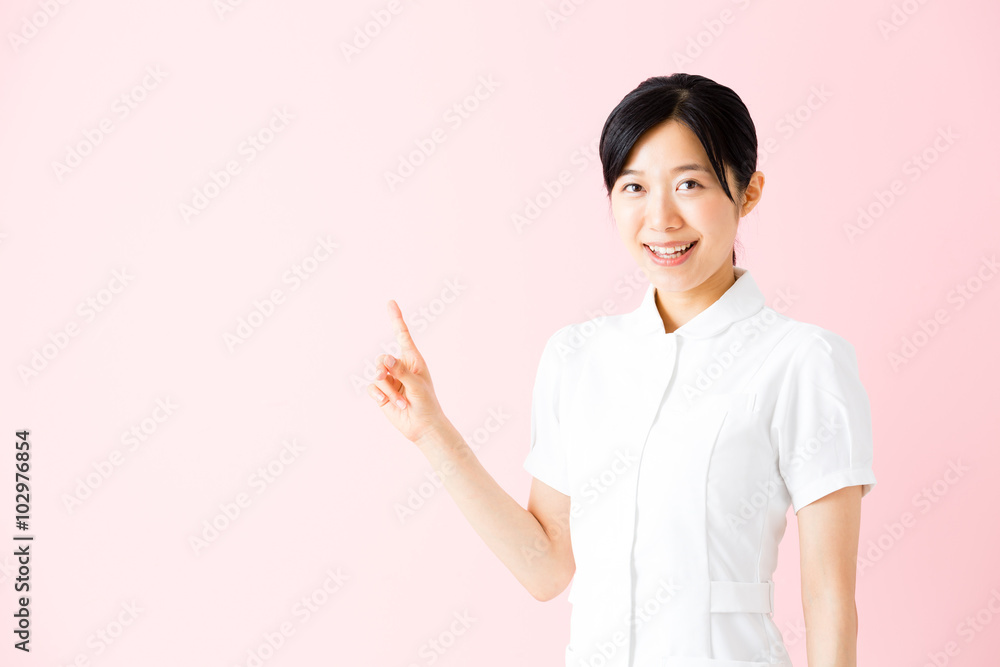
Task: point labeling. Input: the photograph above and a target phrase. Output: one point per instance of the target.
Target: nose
(662, 212)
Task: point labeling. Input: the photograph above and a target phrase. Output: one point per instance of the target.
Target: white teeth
(672, 251)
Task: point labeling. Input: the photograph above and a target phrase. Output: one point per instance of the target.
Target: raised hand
(403, 387)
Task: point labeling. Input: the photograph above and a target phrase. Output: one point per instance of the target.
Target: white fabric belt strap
(742, 596)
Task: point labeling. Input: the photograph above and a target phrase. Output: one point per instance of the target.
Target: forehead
(666, 146)
(669, 150)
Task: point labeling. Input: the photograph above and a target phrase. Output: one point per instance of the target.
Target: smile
(679, 255)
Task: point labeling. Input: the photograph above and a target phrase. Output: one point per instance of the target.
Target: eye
(625, 188)
(690, 181)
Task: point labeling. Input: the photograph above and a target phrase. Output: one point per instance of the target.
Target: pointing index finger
(402, 333)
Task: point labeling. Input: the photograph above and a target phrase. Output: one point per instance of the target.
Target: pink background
(301, 376)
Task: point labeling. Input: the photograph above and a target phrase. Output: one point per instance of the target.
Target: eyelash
(687, 181)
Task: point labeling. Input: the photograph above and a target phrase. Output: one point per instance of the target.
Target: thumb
(398, 368)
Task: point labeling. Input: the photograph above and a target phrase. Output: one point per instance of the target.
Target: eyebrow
(676, 170)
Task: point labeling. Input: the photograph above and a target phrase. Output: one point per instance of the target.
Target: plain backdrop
(206, 206)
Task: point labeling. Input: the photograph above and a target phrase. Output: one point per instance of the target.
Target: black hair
(715, 114)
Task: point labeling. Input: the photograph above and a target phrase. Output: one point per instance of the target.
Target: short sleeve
(822, 421)
(547, 460)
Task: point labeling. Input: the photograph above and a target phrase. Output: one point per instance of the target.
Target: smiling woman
(679, 156)
(668, 443)
(681, 146)
(674, 557)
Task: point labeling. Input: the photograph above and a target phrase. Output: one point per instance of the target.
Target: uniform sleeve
(822, 422)
(547, 460)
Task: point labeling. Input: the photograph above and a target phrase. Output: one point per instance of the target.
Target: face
(667, 196)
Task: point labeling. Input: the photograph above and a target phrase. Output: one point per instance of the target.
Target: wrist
(441, 439)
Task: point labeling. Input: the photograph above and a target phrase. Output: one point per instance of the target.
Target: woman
(671, 440)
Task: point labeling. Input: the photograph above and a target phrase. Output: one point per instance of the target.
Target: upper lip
(669, 244)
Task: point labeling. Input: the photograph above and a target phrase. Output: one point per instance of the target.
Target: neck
(678, 308)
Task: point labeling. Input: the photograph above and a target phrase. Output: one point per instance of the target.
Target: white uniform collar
(742, 300)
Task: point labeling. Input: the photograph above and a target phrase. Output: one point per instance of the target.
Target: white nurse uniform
(681, 454)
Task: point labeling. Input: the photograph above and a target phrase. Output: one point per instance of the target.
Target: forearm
(831, 631)
(509, 530)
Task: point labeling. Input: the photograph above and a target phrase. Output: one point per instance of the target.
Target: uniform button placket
(663, 352)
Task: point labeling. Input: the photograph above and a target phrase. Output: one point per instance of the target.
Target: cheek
(623, 214)
(720, 221)
(717, 208)
(620, 215)
(628, 226)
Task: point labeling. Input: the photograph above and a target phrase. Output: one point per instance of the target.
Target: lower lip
(663, 261)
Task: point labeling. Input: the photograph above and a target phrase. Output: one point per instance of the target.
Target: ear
(753, 193)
